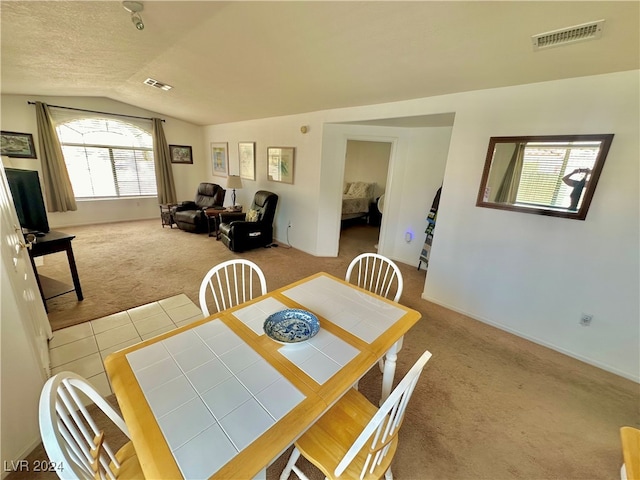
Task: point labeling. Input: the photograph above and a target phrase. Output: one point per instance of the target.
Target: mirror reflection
(548, 175)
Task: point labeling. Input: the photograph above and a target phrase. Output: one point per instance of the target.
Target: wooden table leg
(74, 272)
(35, 272)
(209, 220)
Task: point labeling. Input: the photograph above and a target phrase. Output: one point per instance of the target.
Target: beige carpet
(489, 405)
(123, 265)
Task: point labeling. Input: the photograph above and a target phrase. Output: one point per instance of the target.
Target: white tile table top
(254, 315)
(212, 394)
(321, 357)
(361, 314)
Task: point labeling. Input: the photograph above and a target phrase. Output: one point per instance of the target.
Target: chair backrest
(69, 433)
(377, 274)
(265, 204)
(231, 283)
(382, 429)
(209, 195)
(630, 438)
(380, 203)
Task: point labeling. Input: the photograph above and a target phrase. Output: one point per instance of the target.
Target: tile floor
(83, 348)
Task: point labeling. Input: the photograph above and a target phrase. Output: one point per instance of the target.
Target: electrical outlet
(585, 319)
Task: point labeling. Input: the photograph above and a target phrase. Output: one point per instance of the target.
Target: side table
(165, 214)
(213, 214)
(53, 242)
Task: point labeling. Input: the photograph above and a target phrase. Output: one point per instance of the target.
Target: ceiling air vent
(565, 36)
(154, 83)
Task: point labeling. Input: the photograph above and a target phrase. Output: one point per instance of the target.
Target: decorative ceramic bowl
(291, 326)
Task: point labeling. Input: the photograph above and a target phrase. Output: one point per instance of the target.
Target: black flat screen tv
(27, 197)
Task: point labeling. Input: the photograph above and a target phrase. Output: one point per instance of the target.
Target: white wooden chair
(71, 437)
(355, 439)
(377, 274)
(231, 283)
(630, 438)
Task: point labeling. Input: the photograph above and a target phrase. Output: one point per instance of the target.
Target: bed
(356, 199)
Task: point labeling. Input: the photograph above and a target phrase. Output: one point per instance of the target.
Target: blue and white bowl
(291, 326)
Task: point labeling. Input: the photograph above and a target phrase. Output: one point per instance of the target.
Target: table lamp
(233, 182)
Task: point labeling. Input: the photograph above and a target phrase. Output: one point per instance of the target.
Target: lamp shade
(234, 182)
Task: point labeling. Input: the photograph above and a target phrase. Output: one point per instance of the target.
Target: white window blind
(108, 158)
(544, 167)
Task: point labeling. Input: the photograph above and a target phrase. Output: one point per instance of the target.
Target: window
(544, 166)
(108, 158)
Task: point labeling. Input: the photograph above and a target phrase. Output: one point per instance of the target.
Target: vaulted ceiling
(232, 61)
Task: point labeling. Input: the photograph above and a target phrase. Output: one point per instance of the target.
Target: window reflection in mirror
(548, 175)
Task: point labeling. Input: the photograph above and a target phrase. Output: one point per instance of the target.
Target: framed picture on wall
(19, 145)
(181, 154)
(219, 159)
(247, 156)
(280, 164)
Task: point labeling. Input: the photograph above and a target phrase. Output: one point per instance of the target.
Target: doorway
(366, 161)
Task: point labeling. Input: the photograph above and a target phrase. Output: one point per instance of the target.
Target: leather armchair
(240, 235)
(190, 216)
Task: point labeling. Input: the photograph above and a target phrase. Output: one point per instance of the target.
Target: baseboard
(603, 366)
(102, 222)
(286, 244)
(6, 470)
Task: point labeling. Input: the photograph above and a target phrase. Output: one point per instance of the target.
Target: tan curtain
(509, 187)
(162, 159)
(57, 186)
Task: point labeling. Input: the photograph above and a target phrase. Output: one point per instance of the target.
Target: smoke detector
(134, 8)
(565, 36)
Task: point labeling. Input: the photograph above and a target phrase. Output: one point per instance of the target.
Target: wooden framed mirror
(553, 175)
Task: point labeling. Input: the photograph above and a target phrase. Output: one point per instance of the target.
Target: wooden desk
(356, 329)
(53, 242)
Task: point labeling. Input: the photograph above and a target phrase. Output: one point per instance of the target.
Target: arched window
(108, 158)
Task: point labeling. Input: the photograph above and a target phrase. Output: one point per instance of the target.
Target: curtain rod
(96, 111)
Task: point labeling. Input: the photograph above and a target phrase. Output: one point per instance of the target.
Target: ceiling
(233, 61)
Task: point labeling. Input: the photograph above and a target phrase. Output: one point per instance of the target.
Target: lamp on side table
(234, 182)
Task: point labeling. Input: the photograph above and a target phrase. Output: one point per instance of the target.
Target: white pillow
(360, 189)
(251, 216)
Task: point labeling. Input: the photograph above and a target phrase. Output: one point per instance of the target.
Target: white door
(22, 279)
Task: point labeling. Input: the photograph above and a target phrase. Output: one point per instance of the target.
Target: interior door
(16, 262)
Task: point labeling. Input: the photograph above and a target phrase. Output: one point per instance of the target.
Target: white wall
(18, 116)
(535, 275)
(313, 202)
(528, 274)
(422, 177)
(416, 170)
(298, 202)
(22, 380)
(368, 162)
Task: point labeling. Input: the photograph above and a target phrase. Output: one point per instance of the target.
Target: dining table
(218, 398)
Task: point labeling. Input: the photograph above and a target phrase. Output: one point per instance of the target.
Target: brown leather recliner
(240, 235)
(189, 215)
